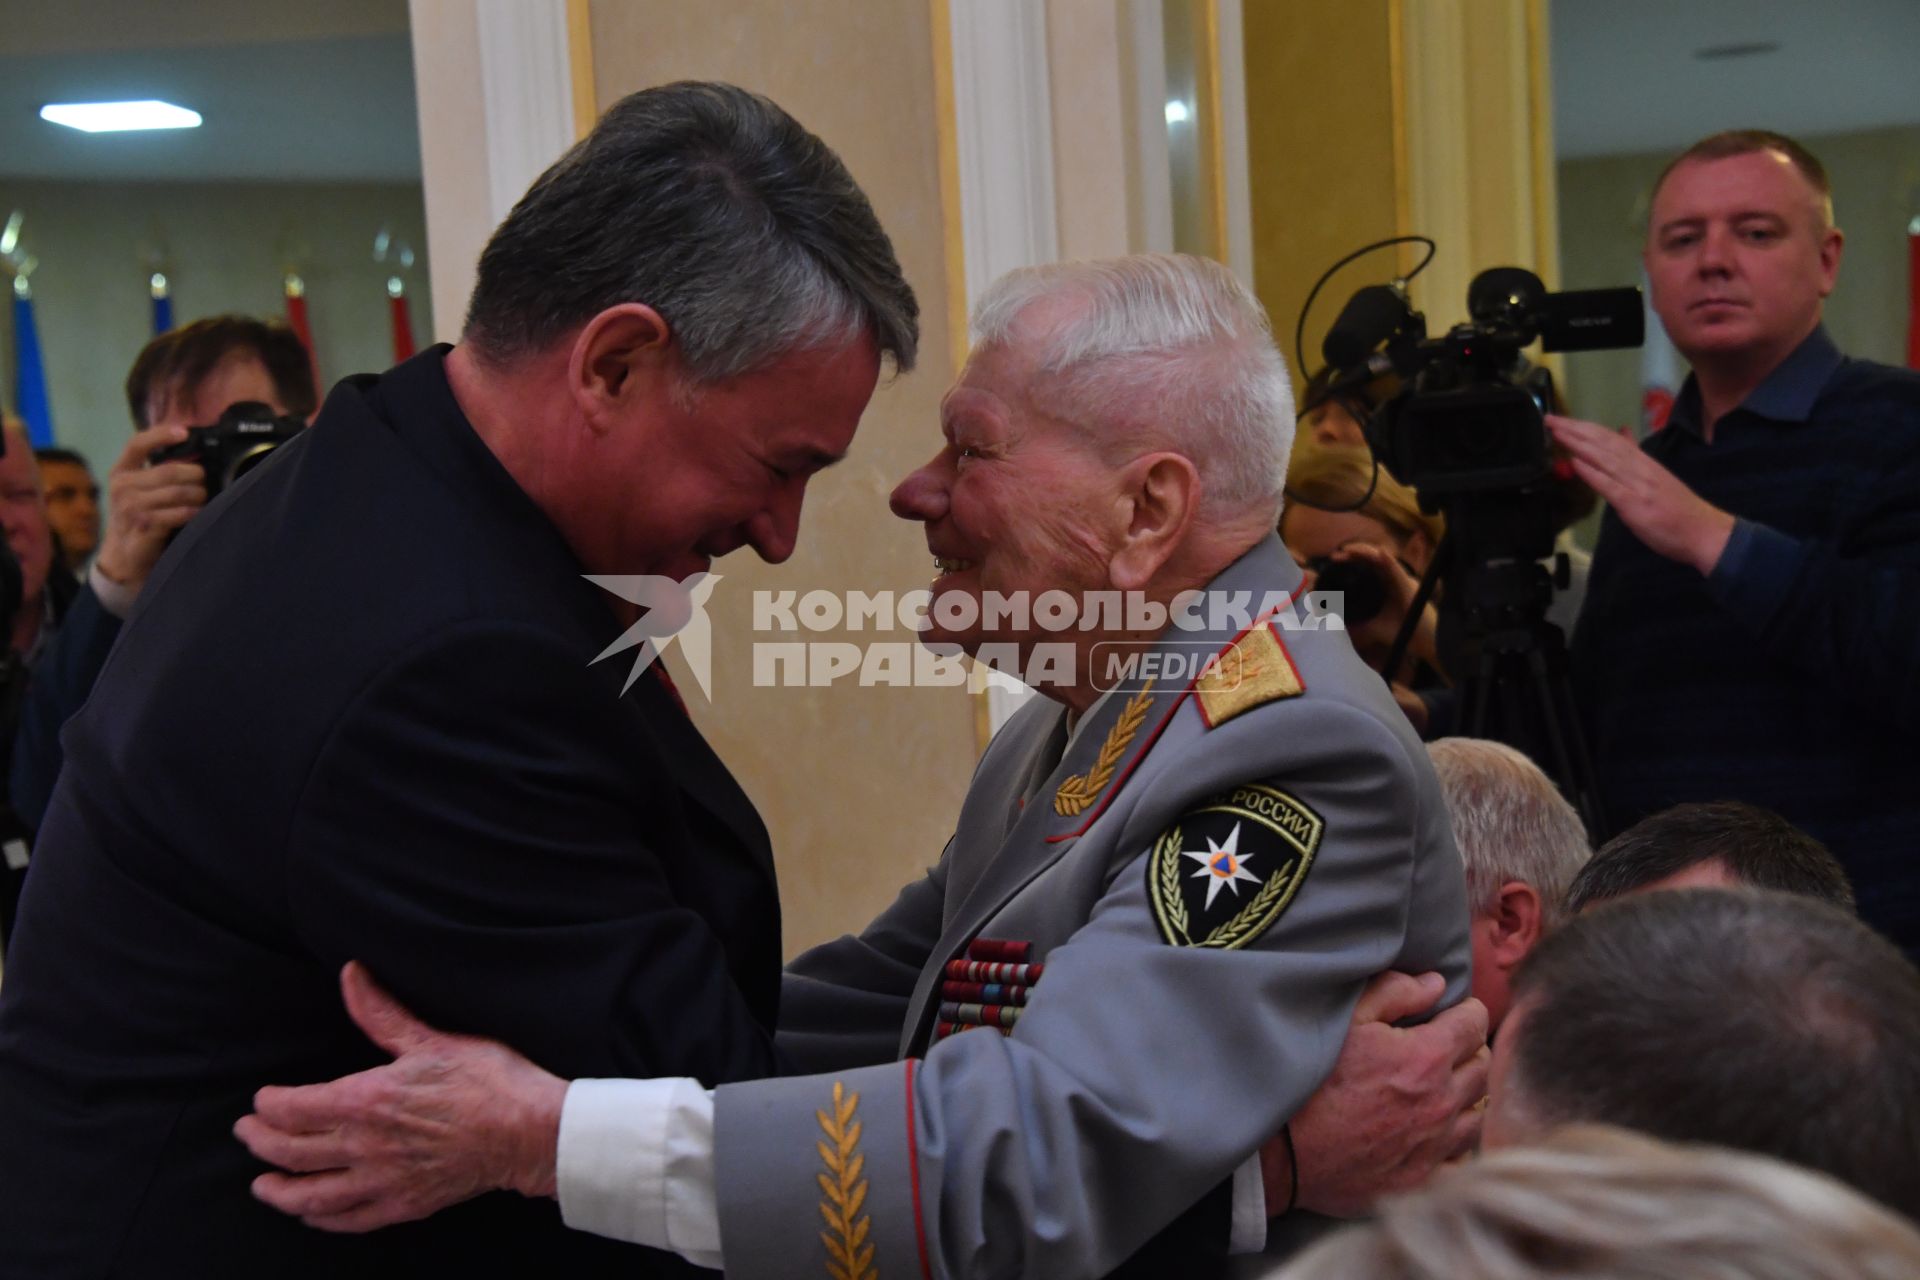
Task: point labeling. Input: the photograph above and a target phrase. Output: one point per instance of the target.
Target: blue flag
(30, 379)
(162, 313)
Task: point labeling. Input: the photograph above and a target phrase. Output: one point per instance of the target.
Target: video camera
(240, 441)
(1468, 417)
(1466, 429)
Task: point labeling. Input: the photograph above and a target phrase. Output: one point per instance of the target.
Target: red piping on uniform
(913, 1172)
(1133, 762)
(1113, 789)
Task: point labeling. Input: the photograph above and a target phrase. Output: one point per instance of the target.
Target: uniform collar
(1788, 394)
(1076, 722)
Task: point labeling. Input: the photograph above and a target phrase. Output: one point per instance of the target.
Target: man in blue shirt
(1752, 624)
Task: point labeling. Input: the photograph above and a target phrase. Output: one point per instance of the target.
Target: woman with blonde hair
(1596, 1203)
(1342, 510)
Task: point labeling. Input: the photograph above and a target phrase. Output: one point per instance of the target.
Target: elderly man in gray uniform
(1166, 894)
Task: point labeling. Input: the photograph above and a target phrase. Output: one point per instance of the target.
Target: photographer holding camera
(1752, 628)
(183, 379)
(1358, 531)
(1363, 534)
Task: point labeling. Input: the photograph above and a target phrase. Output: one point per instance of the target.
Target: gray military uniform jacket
(1206, 880)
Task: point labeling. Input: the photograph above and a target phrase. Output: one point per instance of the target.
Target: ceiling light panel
(120, 117)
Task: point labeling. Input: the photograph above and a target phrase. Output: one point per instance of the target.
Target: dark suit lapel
(702, 775)
(415, 401)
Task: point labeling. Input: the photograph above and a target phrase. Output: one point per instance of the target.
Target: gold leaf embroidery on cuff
(849, 1256)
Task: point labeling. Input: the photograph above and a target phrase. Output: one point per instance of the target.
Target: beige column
(859, 786)
(1480, 144)
(1088, 59)
(1373, 118)
(501, 87)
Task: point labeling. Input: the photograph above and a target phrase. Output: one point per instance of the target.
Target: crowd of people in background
(1693, 1034)
(1745, 627)
(81, 574)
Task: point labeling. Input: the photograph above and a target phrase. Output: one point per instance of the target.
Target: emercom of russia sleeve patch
(1222, 874)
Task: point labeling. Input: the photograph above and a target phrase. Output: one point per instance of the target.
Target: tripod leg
(1478, 694)
(1571, 767)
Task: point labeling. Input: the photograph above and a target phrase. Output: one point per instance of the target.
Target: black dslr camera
(240, 441)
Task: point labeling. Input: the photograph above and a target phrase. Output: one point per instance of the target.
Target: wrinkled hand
(147, 504)
(1399, 1104)
(1650, 500)
(451, 1117)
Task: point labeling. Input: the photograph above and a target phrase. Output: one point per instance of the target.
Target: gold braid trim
(1171, 906)
(1077, 794)
(845, 1191)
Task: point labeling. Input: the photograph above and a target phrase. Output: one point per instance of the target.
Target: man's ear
(1517, 923)
(621, 354)
(1157, 500)
(1832, 242)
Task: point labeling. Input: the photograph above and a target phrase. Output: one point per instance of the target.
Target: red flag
(1913, 294)
(402, 322)
(1660, 375)
(296, 290)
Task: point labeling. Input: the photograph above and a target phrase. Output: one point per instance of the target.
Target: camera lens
(247, 461)
(1362, 594)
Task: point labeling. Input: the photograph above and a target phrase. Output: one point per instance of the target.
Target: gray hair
(1161, 350)
(714, 207)
(1593, 1203)
(1510, 822)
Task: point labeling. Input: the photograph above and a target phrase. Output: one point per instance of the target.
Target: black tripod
(1514, 685)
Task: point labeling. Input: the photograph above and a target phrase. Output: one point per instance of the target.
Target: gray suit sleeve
(1141, 1073)
(843, 1002)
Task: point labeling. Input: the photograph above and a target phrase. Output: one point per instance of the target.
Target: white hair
(1158, 350)
(1510, 822)
(1594, 1203)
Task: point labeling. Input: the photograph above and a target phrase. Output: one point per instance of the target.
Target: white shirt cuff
(635, 1163)
(116, 598)
(1249, 1233)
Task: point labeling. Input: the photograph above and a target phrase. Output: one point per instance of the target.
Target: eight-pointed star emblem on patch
(1223, 865)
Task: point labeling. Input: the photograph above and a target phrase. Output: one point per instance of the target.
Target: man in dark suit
(184, 378)
(353, 715)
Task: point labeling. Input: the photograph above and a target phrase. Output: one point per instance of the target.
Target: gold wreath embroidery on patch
(1077, 794)
(1292, 837)
(845, 1191)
